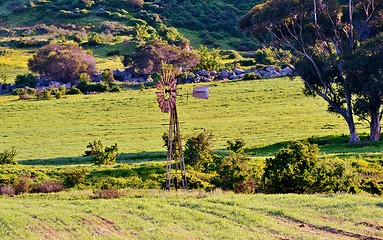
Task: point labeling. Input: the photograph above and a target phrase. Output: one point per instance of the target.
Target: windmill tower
(166, 98)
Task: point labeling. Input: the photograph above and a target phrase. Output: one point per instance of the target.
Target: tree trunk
(375, 126)
(354, 138)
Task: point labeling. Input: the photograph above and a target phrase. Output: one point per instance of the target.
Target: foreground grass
(197, 215)
(262, 113)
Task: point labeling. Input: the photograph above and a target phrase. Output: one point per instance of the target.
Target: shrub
(73, 91)
(8, 156)
(74, 177)
(236, 146)
(115, 88)
(372, 186)
(232, 172)
(107, 194)
(7, 191)
(58, 92)
(23, 185)
(209, 59)
(251, 76)
(48, 187)
(336, 175)
(45, 94)
(292, 170)
(26, 80)
(198, 152)
(266, 55)
(99, 155)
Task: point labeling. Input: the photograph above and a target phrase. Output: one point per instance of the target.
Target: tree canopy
(148, 57)
(322, 35)
(62, 63)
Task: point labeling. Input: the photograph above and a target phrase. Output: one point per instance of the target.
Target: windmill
(166, 98)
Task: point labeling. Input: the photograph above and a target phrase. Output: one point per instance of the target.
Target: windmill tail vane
(166, 98)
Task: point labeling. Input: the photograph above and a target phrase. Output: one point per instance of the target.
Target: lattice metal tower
(166, 98)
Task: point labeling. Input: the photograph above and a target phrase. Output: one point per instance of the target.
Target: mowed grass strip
(170, 215)
(262, 112)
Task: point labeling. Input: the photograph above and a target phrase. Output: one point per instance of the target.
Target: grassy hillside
(262, 112)
(193, 215)
(213, 23)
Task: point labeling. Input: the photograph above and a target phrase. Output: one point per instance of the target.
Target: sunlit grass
(261, 112)
(157, 214)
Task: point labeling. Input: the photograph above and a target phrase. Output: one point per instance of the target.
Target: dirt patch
(371, 225)
(45, 231)
(323, 230)
(103, 227)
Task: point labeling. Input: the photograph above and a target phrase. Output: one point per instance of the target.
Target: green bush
(74, 177)
(335, 175)
(8, 156)
(292, 170)
(45, 94)
(115, 88)
(26, 80)
(209, 60)
(236, 146)
(198, 152)
(266, 55)
(251, 76)
(372, 186)
(73, 91)
(101, 156)
(232, 173)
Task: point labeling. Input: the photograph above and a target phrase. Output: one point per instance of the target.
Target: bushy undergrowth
(8, 156)
(297, 169)
(101, 156)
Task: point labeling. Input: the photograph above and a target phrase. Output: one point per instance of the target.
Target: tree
(209, 60)
(62, 63)
(149, 57)
(366, 66)
(320, 34)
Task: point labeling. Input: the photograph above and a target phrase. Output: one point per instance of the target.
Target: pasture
(263, 113)
(193, 215)
(51, 136)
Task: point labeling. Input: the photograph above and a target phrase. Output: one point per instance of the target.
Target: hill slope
(211, 23)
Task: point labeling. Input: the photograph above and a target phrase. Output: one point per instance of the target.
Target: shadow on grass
(130, 158)
(331, 144)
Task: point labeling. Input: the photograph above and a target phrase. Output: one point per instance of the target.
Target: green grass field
(193, 215)
(51, 136)
(262, 112)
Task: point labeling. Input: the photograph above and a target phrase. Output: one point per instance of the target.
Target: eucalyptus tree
(322, 35)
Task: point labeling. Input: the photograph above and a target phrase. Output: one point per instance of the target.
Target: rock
(127, 77)
(238, 71)
(68, 85)
(272, 74)
(257, 73)
(54, 84)
(263, 72)
(137, 80)
(204, 73)
(286, 71)
(234, 77)
(271, 68)
(224, 74)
